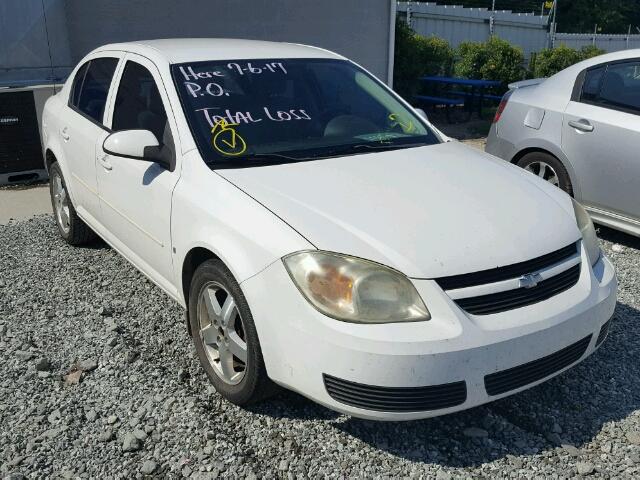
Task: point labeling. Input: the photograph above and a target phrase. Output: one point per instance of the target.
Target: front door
(601, 135)
(135, 195)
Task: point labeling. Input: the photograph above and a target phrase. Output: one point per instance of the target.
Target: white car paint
(427, 212)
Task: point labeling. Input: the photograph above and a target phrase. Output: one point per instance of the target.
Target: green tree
(416, 56)
(495, 59)
(548, 62)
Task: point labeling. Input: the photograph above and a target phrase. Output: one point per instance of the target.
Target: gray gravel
(98, 379)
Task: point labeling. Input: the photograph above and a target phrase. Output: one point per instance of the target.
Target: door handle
(582, 125)
(64, 133)
(105, 164)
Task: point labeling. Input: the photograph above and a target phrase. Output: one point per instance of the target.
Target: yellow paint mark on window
(226, 140)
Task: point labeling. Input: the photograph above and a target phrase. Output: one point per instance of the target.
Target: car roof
(183, 50)
(557, 88)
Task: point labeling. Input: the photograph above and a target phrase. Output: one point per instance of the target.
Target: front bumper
(302, 348)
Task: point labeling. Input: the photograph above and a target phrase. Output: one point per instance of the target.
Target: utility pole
(492, 19)
(553, 24)
(628, 35)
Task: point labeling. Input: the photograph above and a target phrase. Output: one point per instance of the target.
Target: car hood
(430, 211)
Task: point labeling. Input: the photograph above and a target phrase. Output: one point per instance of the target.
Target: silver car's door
(601, 137)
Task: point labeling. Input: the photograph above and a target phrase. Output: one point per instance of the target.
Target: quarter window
(91, 86)
(138, 103)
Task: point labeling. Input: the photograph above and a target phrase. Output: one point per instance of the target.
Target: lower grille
(520, 297)
(396, 399)
(516, 377)
(604, 331)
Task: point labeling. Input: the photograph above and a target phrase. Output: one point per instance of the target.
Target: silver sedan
(580, 130)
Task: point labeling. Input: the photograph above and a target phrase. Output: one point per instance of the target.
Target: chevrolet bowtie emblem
(530, 280)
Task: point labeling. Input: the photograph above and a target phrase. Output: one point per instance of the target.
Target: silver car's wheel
(547, 167)
(544, 171)
(60, 203)
(222, 333)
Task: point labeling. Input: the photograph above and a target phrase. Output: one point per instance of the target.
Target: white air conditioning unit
(20, 139)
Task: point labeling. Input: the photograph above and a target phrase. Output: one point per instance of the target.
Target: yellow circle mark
(394, 118)
(226, 140)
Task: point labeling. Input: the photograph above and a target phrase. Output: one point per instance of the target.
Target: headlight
(355, 290)
(589, 238)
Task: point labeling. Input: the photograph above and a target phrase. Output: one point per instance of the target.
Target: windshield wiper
(346, 149)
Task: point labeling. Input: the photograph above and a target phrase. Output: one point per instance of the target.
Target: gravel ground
(98, 379)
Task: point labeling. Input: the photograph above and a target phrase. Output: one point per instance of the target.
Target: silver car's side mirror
(136, 144)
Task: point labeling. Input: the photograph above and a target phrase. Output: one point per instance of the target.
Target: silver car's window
(248, 112)
(592, 82)
(621, 86)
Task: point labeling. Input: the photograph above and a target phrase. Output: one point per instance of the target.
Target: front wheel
(70, 226)
(225, 336)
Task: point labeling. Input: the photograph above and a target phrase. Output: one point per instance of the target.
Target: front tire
(225, 336)
(70, 226)
(548, 168)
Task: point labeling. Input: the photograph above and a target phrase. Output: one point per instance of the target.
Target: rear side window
(77, 84)
(138, 102)
(91, 86)
(621, 86)
(591, 86)
(615, 86)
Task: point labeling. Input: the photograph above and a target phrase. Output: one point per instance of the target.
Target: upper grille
(520, 297)
(516, 377)
(510, 271)
(396, 399)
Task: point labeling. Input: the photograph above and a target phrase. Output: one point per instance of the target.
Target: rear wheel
(225, 336)
(548, 168)
(71, 228)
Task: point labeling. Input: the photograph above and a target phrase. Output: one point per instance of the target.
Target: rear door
(81, 126)
(135, 195)
(601, 137)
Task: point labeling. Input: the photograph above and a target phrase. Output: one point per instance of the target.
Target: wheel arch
(195, 257)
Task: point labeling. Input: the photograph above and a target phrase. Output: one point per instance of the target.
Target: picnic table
(470, 94)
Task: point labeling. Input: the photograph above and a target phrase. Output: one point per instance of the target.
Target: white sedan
(320, 233)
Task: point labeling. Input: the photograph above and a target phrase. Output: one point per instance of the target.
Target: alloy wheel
(544, 171)
(222, 333)
(61, 203)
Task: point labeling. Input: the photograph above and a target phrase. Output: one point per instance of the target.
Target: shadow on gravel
(615, 236)
(567, 411)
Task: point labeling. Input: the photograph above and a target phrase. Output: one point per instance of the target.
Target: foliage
(495, 59)
(416, 56)
(590, 51)
(574, 16)
(548, 62)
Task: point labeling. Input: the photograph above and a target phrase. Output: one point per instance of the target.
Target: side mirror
(422, 113)
(136, 144)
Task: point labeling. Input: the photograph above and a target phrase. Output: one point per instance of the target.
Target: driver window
(139, 105)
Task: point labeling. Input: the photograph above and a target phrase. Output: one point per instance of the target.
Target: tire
(547, 167)
(240, 382)
(70, 226)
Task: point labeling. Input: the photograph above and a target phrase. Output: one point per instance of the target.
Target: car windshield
(249, 112)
